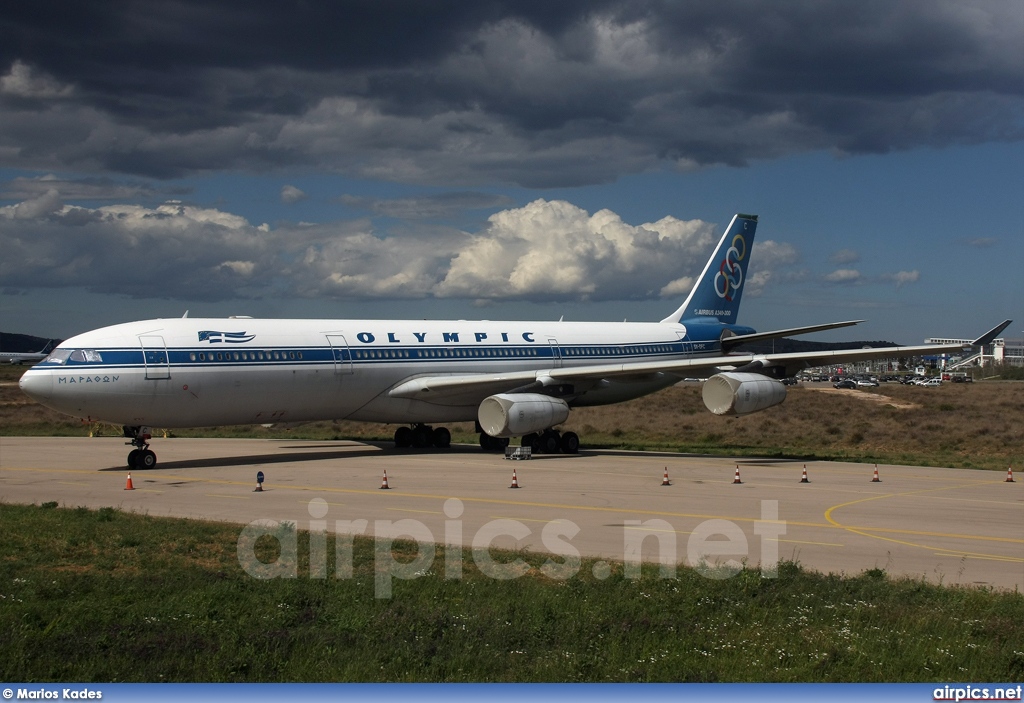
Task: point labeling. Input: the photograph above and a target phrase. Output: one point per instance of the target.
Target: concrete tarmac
(951, 526)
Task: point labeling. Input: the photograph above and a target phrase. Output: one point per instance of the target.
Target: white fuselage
(202, 372)
(21, 357)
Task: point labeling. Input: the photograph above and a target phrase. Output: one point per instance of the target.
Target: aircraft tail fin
(718, 291)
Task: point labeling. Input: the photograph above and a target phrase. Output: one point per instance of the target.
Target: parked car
(932, 382)
(867, 383)
(845, 383)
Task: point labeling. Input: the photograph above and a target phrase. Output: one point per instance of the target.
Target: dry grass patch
(975, 425)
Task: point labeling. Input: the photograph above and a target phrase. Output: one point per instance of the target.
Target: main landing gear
(141, 457)
(421, 436)
(552, 442)
(492, 444)
(546, 442)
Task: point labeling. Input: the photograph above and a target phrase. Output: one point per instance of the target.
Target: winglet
(989, 336)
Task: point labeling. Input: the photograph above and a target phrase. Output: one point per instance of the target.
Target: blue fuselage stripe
(204, 357)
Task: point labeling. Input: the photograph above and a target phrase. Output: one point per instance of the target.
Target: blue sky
(512, 161)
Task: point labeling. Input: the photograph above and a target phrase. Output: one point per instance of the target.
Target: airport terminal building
(1001, 351)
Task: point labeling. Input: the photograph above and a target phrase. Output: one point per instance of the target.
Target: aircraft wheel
(532, 441)
(442, 438)
(421, 436)
(550, 442)
(133, 457)
(570, 443)
(145, 459)
(403, 438)
(492, 444)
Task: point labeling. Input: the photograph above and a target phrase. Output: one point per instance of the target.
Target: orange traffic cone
(1009, 474)
(737, 479)
(384, 483)
(876, 479)
(128, 485)
(804, 479)
(515, 481)
(665, 481)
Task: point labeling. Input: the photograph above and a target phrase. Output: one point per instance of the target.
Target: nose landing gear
(141, 457)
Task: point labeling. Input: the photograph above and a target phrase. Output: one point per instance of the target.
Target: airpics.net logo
(715, 547)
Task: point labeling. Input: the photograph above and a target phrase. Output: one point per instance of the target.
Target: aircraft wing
(469, 388)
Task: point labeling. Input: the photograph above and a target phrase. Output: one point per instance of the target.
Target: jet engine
(516, 414)
(732, 393)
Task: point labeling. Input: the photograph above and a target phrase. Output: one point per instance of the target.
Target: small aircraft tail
(48, 348)
(718, 291)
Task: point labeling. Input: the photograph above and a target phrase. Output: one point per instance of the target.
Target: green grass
(113, 596)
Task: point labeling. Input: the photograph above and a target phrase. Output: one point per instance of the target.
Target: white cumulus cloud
(556, 250)
(902, 278)
(541, 252)
(291, 195)
(843, 276)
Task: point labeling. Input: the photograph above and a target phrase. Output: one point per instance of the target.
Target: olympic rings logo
(730, 275)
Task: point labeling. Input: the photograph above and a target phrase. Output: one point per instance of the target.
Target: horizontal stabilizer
(735, 340)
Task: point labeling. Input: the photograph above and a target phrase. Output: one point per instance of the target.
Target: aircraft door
(687, 346)
(154, 356)
(556, 355)
(342, 354)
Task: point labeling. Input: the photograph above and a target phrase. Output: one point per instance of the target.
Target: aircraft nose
(37, 386)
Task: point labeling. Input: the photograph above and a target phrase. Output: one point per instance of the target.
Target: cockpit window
(58, 356)
(86, 355)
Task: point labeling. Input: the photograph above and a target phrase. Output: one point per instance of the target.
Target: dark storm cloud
(538, 94)
(77, 189)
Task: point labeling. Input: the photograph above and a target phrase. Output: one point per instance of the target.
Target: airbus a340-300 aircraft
(516, 379)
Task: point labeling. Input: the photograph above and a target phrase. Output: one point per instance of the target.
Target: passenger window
(78, 355)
